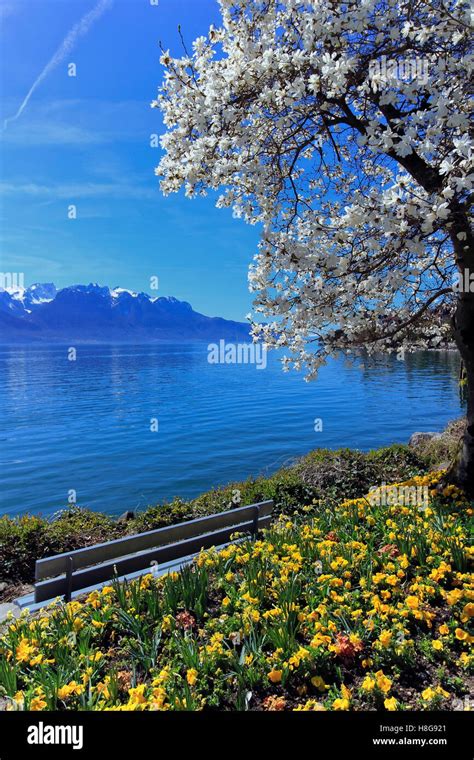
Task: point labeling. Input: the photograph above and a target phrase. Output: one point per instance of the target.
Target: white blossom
(359, 182)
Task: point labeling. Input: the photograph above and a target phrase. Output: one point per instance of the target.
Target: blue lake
(86, 425)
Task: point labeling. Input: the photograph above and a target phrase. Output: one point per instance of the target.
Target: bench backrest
(92, 565)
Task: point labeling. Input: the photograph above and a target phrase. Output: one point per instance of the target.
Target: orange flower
(463, 636)
(273, 703)
(347, 647)
(275, 675)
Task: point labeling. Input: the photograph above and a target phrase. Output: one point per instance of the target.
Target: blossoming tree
(341, 128)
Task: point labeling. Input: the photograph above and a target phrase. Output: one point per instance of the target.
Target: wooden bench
(157, 551)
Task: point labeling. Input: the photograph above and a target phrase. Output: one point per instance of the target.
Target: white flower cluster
(361, 187)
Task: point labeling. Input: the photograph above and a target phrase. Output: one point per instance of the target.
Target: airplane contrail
(78, 30)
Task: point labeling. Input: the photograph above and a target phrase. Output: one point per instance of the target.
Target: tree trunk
(464, 335)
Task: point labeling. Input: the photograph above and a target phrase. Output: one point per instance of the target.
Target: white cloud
(40, 133)
(74, 191)
(82, 122)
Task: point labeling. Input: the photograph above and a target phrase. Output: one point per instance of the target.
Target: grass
(358, 605)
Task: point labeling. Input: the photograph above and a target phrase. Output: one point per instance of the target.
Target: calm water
(85, 425)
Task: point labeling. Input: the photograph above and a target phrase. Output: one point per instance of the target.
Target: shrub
(346, 473)
(25, 539)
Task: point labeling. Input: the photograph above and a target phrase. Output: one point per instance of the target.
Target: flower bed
(364, 605)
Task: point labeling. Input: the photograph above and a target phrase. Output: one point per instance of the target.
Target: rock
(9, 607)
(440, 466)
(418, 438)
(126, 516)
(11, 591)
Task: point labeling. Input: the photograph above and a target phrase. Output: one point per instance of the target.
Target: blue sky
(85, 140)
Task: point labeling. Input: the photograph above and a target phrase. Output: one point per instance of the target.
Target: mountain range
(95, 313)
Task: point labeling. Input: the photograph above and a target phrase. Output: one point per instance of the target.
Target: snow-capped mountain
(25, 299)
(99, 313)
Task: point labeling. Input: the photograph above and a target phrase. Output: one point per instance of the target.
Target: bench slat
(105, 571)
(91, 555)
